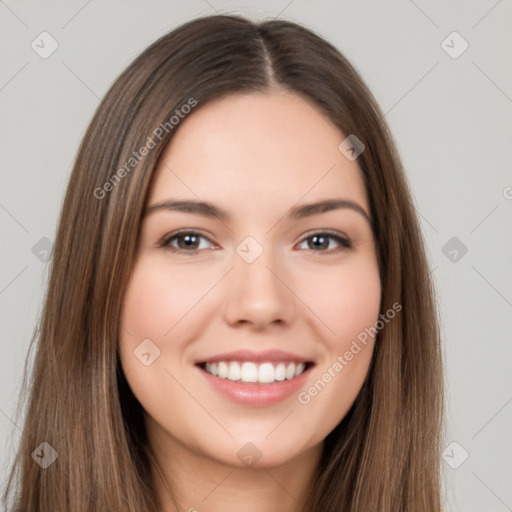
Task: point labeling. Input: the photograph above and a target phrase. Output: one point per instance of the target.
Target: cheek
(158, 298)
(159, 317)
(154, 303)
(344, 298)
(347, 300)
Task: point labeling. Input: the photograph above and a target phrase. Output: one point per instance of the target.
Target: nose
(259, 294)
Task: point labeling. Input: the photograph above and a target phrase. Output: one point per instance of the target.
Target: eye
(326, 242)
(185, 242)
(189, 242)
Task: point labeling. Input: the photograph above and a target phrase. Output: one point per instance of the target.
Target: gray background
(451, 118)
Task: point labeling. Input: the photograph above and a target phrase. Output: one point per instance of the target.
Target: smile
(265, 372)
(255, 378)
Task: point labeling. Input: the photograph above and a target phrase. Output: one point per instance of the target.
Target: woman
(239, 314)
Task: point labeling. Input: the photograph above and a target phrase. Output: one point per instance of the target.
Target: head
(257, 120)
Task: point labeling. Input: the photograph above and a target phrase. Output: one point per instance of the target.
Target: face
(243, 319)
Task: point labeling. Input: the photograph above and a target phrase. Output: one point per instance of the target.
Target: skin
(255, 155)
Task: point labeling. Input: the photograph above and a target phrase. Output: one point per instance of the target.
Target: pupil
(190, 240)
(324, 243)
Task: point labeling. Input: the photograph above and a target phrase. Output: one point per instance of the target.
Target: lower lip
(254, 394)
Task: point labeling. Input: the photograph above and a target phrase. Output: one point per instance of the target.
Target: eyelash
(344, 243)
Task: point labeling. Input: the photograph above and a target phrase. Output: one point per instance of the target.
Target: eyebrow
(297, 212)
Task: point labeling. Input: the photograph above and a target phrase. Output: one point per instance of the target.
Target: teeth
(234, 371)
(222, 369)
(280, 373)
(299, 369)
(248, 373)
(264, 373)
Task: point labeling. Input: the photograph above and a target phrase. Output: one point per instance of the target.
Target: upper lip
(256, 357)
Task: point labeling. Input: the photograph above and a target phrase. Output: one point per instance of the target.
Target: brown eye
(185, 242)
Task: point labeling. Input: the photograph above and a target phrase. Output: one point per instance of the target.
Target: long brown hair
(384, 455)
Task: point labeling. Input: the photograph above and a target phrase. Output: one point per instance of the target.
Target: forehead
(253, 149)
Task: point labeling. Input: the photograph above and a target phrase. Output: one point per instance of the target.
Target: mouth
(252, 372)
(256, 379)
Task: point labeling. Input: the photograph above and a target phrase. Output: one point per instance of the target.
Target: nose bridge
(257, 293)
